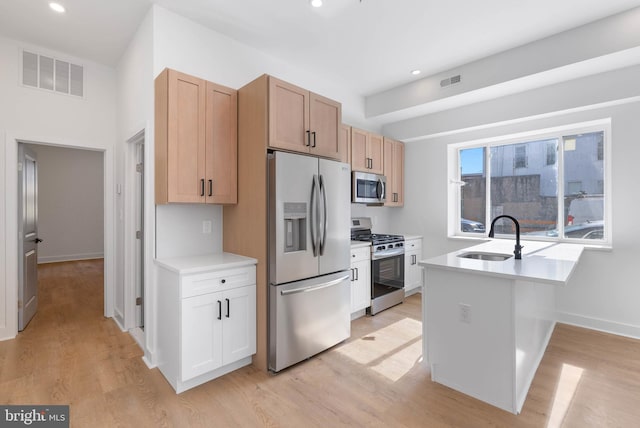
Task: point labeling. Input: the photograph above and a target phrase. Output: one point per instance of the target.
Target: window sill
(606, 247)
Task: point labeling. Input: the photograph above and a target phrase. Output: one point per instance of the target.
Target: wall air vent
(52, 74)
(451, 81)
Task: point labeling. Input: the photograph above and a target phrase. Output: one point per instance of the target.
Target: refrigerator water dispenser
(295, 226)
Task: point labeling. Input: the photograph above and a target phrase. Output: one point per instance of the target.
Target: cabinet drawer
(360, 254)
(195, 285)
(413, 244)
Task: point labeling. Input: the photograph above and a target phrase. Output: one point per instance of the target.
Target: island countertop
(546, 262)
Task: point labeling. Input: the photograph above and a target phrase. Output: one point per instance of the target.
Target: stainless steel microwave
(368, 188)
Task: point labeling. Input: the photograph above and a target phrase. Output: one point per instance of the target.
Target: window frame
(455, 181)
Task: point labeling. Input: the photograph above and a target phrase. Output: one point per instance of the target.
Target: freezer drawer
(307, 317)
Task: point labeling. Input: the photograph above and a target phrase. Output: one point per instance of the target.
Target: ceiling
(368, 45)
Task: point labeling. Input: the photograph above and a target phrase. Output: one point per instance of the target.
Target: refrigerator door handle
(323, 223)
(313, 215)
(314, 287)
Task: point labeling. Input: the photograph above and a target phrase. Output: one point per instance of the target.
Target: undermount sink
(494, 257)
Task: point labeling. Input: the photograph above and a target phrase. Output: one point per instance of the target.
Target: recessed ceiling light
(415, 72)
(316, 3)
(57, 7)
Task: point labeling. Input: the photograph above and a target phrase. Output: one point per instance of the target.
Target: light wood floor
(70, 354)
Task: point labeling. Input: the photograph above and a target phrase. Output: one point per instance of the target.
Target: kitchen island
(487, 322)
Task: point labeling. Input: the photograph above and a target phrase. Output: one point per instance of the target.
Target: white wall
(603, 293)
(135, 113)
(34, 115)
(70, 203)
(194, 49)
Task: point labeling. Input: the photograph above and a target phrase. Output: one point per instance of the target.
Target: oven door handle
(314, 287)
(387, 253)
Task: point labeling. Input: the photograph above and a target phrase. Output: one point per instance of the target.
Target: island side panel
(534, 322)
(475, 355)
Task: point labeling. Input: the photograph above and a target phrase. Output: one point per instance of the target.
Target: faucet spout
(517, 252)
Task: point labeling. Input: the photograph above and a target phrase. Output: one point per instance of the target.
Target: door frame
(130, 244)
(9, 283)
(146, 338)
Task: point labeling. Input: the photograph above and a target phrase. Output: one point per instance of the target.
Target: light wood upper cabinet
(394, 171)
(302, 121)
(367, 151)
(221, 152)
(195, 140)
(344, 142)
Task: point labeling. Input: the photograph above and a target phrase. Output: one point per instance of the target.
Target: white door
(239, 328)
(28, 241)
(201, 334)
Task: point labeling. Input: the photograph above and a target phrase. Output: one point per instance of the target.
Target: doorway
(65, 206)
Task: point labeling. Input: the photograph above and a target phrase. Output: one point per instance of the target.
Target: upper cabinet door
(325, 119)
(375, 151)
(221, 186)
(186, 137)
(367, 151)
(398, 172)
(359, 142)
(344, 142)
(394, 171)
(288, 116)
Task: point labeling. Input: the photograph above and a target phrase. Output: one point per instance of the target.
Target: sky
(471, 160)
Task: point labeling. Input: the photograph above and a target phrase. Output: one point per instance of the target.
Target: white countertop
(410, 237)
(541, 261)
(359, 244)
(205, 263)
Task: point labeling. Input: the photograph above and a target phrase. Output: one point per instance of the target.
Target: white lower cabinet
(360, 279)
(412, 271)
(206, 324)
(217, 329)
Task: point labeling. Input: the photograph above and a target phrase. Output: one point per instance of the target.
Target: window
(574, 187)
(551, 182)
(521, 156)
(552, 149)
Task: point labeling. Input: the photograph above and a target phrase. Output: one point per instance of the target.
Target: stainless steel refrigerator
(309, 247)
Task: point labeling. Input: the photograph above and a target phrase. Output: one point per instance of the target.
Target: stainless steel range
(387, 265)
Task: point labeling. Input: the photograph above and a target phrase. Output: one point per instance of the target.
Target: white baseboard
(605, 326)
(69, 257)
(119, 319)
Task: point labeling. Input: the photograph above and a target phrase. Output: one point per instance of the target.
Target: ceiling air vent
(52, 74)
(450, 81)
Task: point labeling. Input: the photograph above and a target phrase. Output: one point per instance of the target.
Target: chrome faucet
(518, 250)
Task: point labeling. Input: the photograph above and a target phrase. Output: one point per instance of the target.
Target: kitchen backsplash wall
(379, 216)
(179, 230)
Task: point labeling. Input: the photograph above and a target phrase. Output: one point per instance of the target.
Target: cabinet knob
(223, 281)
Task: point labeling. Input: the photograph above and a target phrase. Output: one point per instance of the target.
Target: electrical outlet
(465, 313)
(206, 226)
